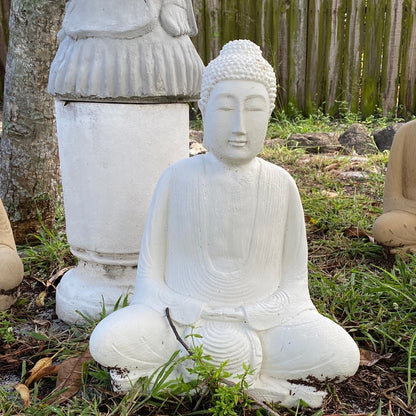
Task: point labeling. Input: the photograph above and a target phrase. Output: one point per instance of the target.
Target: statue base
(111, 157)
(92, 290)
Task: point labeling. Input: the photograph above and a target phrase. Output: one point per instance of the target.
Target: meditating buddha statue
(11, 267)
(396, 228)
(225, 250)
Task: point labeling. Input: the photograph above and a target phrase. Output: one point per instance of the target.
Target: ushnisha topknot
(241, 60)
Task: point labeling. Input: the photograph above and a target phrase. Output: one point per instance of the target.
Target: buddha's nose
(238, 123)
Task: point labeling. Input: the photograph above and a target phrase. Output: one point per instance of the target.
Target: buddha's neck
(217, 166)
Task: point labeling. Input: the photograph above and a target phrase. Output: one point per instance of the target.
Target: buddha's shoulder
(276, 171)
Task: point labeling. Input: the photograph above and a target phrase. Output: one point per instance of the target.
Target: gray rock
(384, 137)
(357, 138)
(314, 142)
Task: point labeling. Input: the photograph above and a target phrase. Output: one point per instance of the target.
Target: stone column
(121, 78)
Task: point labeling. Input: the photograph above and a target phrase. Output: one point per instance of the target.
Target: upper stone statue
(11, 267)
(396, 228)
(129, 50)
(225, 250)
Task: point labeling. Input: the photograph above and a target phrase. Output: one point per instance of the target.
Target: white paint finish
(111, 158)
(225, 250)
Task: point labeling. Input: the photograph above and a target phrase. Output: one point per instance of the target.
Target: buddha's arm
(292, 295)
(150, 288)
(394, 198)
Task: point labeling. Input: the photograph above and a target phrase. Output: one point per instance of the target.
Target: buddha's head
(237, 97)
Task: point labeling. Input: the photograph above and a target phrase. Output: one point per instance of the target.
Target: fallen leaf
(369, 358)
(24, 394)
(39, 369)
(40, 300)
(329, 194)
(32, 375)
(57, 275)
(70, 377)
(357, 232)
(332, 166)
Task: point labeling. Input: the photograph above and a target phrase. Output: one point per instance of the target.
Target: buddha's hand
(174, 18)
(223, 313)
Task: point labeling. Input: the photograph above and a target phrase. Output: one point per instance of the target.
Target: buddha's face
(235, 120)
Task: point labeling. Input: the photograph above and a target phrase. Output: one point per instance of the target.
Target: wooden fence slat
(407, 95)
(372, 56)
(311, 84)
(334, 68)
(391, 56)
(297, 15)
(282, 50)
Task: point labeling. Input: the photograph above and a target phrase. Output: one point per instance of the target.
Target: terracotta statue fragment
(396, 227)
(225, 250)
(11, 267)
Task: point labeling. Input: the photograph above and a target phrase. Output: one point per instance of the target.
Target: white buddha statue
(225, 250)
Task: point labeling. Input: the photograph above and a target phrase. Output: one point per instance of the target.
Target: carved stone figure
(396, 228)
(11, 267)
(137, 49)
(122, 77)
(225, 249)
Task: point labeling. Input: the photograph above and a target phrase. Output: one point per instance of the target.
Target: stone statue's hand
(224, 313)
(174, 18)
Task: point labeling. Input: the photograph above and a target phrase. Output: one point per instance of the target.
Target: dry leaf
(57, 275)
(332, 166)
(24, 394)
(357, 232)
(40, 300)
(369, 358)
(70, 377)
(32, 375)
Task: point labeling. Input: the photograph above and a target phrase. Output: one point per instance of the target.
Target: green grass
(353, 281)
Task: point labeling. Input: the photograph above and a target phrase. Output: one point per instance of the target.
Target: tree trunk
(4, 40)
(29, 165)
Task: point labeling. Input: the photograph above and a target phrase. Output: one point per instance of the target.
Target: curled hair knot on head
(238, 60)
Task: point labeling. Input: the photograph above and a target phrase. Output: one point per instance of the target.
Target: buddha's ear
(201, 108)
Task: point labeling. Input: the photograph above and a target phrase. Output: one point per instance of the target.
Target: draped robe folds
(131, 50)
(176, 271)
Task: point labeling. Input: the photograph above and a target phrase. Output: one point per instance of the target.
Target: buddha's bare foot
(285, 393)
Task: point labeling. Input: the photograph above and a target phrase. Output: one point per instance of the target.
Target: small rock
(356, 138)
(384, 137)
(196, 148)
(314, 142)
(196, 135)
(354, 175)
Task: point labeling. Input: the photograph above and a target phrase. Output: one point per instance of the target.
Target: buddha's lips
(237, 143)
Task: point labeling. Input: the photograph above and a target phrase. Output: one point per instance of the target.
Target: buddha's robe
(126, 49)
(397, 226)
(230, 258)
